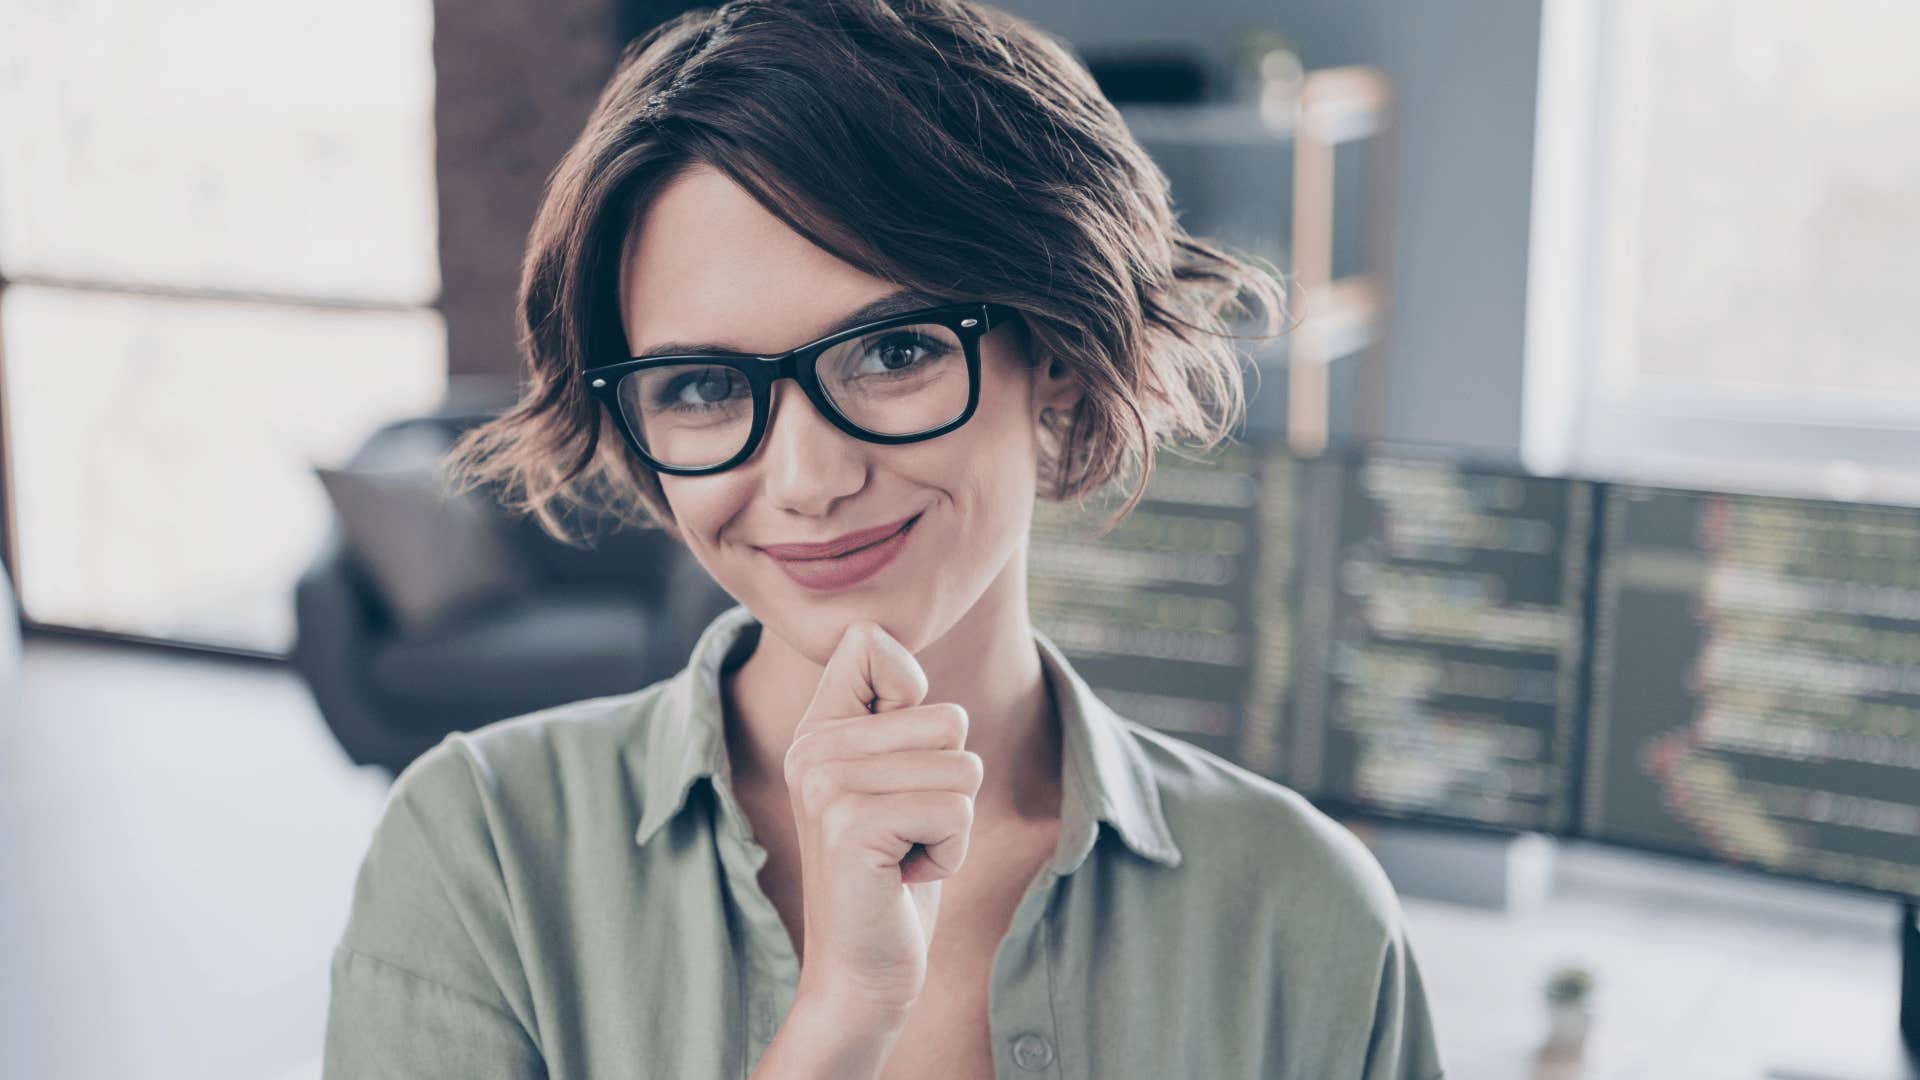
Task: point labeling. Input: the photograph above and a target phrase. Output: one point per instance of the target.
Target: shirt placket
(1020, 1001)
(1023, 1015)
(771, 971)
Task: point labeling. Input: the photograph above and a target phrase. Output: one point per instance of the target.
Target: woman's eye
(694, 390)
(897, 352)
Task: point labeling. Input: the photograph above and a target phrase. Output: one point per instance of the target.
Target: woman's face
(710, 264)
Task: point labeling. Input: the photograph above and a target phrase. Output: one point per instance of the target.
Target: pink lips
(845, 560)
(839, 545)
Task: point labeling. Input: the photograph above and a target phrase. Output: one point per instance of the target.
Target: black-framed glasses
(901, 379)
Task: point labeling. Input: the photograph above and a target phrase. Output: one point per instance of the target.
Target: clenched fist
(882, 789)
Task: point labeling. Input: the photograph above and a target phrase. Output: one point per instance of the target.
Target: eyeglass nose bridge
(765, 376)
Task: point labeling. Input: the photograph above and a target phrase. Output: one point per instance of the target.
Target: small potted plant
(1267, 73)
(1569, 1012)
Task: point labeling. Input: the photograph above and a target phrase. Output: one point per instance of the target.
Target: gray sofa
(607, 619)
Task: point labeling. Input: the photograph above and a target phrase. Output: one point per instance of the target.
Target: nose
(808, 464)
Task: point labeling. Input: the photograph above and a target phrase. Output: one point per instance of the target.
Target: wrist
(837, 1009)
(830, 1038)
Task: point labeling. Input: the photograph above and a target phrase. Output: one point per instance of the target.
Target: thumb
(869, 671)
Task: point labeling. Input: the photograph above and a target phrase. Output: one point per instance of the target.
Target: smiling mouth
(785, 552)
(845, 569)
(908, 524)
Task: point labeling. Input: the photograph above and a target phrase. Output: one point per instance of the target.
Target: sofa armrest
(335, 615)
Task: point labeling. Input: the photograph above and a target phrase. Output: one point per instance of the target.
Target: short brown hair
(990, 167)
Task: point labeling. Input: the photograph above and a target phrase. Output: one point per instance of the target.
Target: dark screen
(1385, 633)
(1441, 674)
(1756, 692)
(1159, 616)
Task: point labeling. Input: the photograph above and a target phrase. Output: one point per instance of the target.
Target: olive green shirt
(573, 893)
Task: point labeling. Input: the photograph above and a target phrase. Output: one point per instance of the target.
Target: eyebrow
(895, 303)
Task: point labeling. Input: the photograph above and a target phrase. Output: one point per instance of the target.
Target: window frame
(1584, 411)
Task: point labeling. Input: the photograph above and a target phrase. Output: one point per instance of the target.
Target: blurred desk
(1699, 973)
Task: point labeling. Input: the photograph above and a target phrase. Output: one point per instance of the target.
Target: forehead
(708, 263)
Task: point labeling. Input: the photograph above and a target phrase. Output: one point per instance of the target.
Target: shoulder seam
(439, 872)
(451, 991)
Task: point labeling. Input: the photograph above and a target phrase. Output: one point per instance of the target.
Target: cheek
(992, 458)
(989, 467)
(703, 507)
(1010, 428)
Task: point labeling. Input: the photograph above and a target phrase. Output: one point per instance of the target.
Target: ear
(1056, 388)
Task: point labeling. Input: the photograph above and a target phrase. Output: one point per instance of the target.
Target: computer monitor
(1158, 616)
(1440, 629)
(1388, 635)
(1756, 684)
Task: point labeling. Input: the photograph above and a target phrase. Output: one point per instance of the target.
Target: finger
(940, 726)
(869, 671)
(912, 770)
(882, 829)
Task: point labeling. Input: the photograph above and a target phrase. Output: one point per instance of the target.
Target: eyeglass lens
(898, 381)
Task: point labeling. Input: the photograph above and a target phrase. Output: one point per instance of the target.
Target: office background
(1569, 554)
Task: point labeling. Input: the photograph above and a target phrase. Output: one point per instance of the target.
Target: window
(1724, 287)
(218, 243)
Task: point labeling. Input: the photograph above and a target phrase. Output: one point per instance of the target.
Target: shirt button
(1032, 1051)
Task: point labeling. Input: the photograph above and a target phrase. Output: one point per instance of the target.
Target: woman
(859, 835)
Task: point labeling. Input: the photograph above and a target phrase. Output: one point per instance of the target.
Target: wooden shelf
(1345, 108)
(1341, 322)
(1210, 123)
(1337, 319)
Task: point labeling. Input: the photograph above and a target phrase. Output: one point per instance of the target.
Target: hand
(882, 792)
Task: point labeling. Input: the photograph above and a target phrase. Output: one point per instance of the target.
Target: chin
(820, 621)
(906, 605)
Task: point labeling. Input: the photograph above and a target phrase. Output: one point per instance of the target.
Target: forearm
(815, 1043)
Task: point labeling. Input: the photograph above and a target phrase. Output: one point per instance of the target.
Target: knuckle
(837, 819)
(794, 764)
(819, 784)
(976, 769)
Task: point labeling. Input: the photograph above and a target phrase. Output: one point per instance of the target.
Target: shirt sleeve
(1403, 1045)
(425, 981)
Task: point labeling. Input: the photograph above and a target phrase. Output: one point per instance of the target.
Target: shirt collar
(1105, 773)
